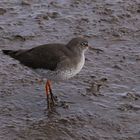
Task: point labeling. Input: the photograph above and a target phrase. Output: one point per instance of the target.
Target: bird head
(78, 44)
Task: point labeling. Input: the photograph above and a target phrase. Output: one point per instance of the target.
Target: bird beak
(95, 49)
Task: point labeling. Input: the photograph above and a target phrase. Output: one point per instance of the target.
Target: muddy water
(103, 99)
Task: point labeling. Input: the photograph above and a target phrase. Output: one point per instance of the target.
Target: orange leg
(47, 94)
(50, 89)
(50, 98)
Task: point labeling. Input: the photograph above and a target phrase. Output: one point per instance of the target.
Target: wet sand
(103, 99)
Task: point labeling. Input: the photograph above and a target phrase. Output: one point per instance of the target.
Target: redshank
(56, 62)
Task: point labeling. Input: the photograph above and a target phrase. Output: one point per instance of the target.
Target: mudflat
(103, 100)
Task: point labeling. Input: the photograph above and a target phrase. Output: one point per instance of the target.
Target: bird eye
(84, 44)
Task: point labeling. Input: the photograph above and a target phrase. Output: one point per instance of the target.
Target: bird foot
(52, 102)
(56, 102)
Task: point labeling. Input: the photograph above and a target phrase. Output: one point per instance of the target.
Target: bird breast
(72, 71)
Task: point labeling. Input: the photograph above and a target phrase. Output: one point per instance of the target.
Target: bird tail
(9, 52)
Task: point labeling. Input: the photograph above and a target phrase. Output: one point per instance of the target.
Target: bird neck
(79, 55)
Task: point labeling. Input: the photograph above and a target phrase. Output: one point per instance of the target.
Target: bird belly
(63, 73)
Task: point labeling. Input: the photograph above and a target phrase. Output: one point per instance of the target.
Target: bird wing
(40, 57)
